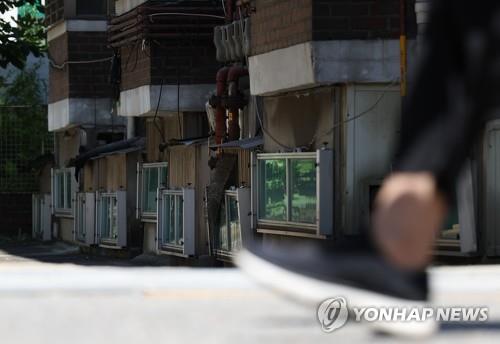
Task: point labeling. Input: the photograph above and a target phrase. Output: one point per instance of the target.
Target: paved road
(114, 302)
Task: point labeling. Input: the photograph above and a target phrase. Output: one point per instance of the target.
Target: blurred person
(454, 93)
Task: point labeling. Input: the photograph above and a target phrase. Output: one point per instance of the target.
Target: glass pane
(113, 218)
(150, 189)
(60, 190)
(223, 239)
(163, 176)
(67, 191)
(451, 227)
(169, 221)
(272, 190)
(81, 223)
(104, 219)
(234, 224)
(180, 220)
(303, 190)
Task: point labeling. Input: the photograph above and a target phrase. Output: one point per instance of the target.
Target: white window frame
(67, 209)
(242, 197)
(41, 217)
(85, 210)
(121, 218)
(323, 226)
(140, 213)
(187, 247)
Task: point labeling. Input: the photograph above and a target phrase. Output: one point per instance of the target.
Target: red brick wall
(80, 80)
(278, 24)
(360, 19)
(190, 60)
(136, 66)
(193, 61)
(89, 80)
(58, 78)
(282, 23)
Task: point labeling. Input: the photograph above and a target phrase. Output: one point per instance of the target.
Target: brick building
(192, 126)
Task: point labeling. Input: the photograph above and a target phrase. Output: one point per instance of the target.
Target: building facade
(185, 128)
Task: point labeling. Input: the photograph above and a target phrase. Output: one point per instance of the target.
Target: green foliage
(17, 42)
(24, 138)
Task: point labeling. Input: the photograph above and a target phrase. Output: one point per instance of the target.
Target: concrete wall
(368, 147)
(66, 227)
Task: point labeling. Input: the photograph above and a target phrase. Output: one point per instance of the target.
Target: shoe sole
(313, 292)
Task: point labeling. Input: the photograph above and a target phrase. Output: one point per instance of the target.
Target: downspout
(235, 101)
(403, 47)
(229, 10)
(220, 111)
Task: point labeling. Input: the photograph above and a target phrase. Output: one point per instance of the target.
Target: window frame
(67, 209)
(106, 240)
(143, 215)
(85, 217)
(323, 226)
(187, 248)
(287, 157)
(178, 198)
(230, 252)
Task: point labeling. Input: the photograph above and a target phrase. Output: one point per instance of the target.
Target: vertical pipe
(235, 73)
(220, 114)
(403, 47)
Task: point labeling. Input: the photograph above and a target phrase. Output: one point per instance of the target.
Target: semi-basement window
(228, 236)
(112, 218)
(176, 221)
(62, 190)
(85, 218)
(153, 176)
(295, 192)
(108, 217)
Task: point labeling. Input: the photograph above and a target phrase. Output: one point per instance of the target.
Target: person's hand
(409, 211)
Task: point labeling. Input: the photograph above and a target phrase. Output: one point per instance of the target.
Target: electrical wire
(224, 7)
(256, 105)
(64, 64)
(365, 112)
(186, 15)
(156, 113)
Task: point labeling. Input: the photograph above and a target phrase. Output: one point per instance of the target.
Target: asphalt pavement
(52, 294)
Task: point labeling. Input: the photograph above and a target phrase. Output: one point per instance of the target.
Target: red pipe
(220, 114)
(229, 10)
(235, 73)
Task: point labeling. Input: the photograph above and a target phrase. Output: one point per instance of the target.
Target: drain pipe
(235, 101)
(229, 10)
(220, 111)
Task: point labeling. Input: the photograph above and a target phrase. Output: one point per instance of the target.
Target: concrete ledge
(76, 25)
(282, 69)
(71, 112)
(142, 101)
(326, 62)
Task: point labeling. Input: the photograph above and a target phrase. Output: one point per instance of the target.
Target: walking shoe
(311, 273)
